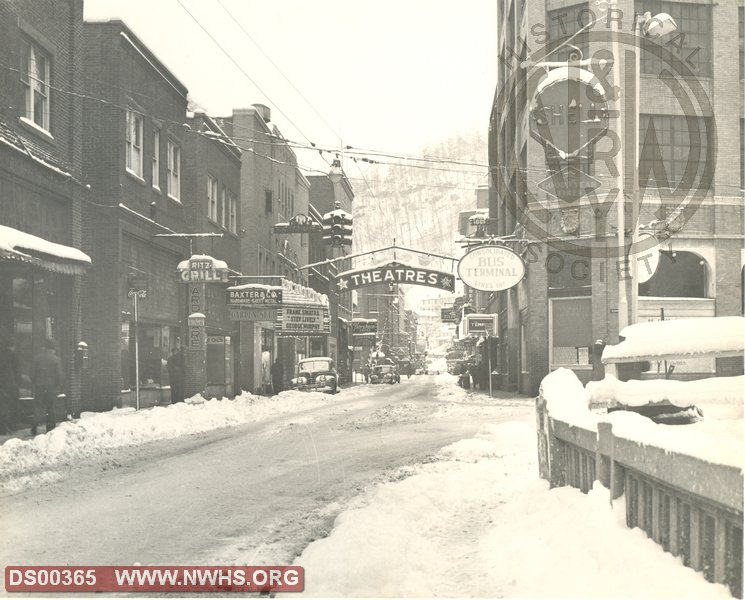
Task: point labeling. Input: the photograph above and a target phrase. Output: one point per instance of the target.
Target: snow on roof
(717, 336)
(14, 241)
(216, 263)
(294, 293)
(255, 286)
(337, 212)
(363, 320)
(680, 393)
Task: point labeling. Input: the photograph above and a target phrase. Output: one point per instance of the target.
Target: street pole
(488, 354)
(636, 193)
(137, 355)
(623, 302)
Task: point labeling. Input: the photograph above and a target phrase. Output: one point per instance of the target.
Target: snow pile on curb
(72, 441)
(478, 523)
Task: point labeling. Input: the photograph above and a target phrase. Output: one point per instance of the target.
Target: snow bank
(74, 441)
(677, 338)
(566, 398)
(721, 390)
(479, 523)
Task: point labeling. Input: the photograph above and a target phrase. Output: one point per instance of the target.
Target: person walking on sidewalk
(47, 378)
(10, 378)
(277, 372)
(176, 365)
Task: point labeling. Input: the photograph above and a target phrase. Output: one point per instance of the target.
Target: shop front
(37, 303)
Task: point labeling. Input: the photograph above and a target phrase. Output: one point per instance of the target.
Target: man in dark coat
(277, 373)
(10, 378)
(176, 365)
(47, 378)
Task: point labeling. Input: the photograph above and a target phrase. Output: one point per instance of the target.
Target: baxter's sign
(255, 296)
(491, 269)
(396, 273)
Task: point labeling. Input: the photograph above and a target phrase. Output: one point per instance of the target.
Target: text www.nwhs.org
(154, 579)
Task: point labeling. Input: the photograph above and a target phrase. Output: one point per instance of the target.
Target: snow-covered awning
(294, 293)
(679, 338)
(19, 246)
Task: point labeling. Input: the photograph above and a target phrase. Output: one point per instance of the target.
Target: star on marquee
(343, 284)
(446, 281)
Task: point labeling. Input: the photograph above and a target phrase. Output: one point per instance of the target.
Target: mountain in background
(417, 202)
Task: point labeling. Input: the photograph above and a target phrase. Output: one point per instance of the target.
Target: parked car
(385, 374)
(316, 374)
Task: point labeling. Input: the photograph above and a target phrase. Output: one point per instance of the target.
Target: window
(563, 23)
(680, 274)
(570, 331)
(694, 22)
(224, 209)
(174, 170)
(134, 143)
(268, 201)
(233, 222)
(674, 152)
(156, 159)
(35, 79)
(212, 199)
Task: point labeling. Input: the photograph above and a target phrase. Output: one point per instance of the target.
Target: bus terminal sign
(491, 269)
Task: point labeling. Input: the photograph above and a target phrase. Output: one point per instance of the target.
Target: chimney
(264, 112)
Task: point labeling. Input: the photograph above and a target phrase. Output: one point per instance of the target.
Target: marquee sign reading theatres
(396, 273)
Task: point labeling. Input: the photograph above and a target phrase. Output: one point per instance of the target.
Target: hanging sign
(241, 313)
(396, 273)
(481, 324)
(298, 224)
(491, 269)
(368, 327)
(258, 296)
(203, 269)
(448, 314)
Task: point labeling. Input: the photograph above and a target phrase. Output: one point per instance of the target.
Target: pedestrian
(176, 366)
(277, 373)
(366, 372)
(10, 379)
(47, 378)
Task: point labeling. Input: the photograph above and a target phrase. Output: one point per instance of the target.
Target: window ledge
(176, 200)
(134, 176)
(29, 124)
(157, 189)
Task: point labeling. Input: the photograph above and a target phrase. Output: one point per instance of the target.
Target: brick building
(134, 141)
(42, 189)
(212, 184)
(324, 196)
(273, 190)
(570, 298)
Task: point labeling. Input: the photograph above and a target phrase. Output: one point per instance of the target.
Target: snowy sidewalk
(479, 523)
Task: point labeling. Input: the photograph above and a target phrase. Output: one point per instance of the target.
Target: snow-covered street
(417, 489)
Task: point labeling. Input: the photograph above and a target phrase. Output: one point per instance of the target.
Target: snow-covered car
(316, 374)
(385, 374)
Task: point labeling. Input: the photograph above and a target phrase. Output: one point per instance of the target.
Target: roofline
(146, 53)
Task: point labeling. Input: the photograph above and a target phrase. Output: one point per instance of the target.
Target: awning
(21, 247)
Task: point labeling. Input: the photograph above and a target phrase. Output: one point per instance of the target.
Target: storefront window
(155, 342)
(32, 308)
(571, 331)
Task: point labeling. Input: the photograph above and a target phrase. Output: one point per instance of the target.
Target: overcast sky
(390, 75)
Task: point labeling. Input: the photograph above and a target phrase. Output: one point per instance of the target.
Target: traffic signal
(337, 228)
